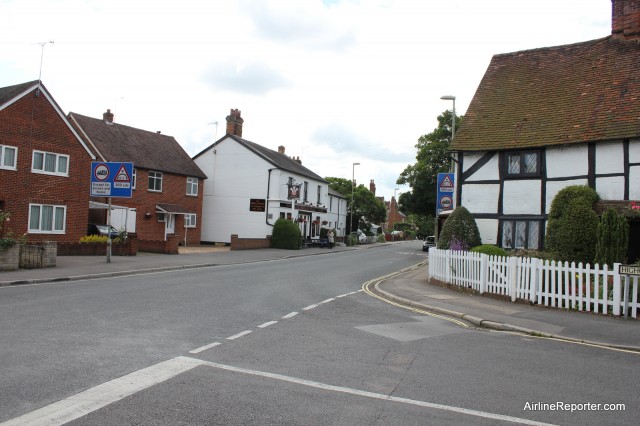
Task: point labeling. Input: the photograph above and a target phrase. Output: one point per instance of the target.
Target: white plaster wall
(487, 172)
(609, 158)
(521, 197)
(634, 183)
(480, 198)
(634, 151)
(488, 230)
(235, 176)
(610, 188)
(567, 161)
(554, 187)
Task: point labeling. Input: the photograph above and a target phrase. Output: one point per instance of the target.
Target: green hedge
(286, 235)
(459, 231)
(490, 250)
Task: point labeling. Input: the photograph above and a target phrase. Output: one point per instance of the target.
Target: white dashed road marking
(291, 315)
(237, 336)
(204, 348)
(267, 324)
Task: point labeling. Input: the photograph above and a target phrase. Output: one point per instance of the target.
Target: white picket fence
(555, 284)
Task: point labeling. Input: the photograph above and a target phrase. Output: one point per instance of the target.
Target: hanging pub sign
(293, 192)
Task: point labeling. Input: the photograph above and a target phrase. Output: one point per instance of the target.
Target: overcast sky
(334, 81)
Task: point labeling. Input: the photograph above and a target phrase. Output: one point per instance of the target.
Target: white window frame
(190, 220)
(157, 177)
(161, 217)
(57, 158)
(55, 210)
(134, 178)
(192, 186)
(3, 156)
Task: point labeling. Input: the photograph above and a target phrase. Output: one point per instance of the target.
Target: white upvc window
(192, 186)
(47, 219)
(50, 163)
(155, 181)
(189, 220)
(8, 157)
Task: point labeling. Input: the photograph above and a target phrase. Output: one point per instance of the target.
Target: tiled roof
(580, 92)
(146, 150)
(8, 93)
(281, 161)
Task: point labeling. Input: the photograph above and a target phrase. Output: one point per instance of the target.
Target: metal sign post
(109, 179)
(627, 271)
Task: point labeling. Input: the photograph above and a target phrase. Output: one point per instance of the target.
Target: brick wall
(174, 188)
(249, 243)
(32, 123)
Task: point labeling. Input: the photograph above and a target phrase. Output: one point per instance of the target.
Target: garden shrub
(612, 238)
(286, 235)
(381, 239)
(460, 230)
(93, 239)
(351, 240)
(490, 250)
(572, 226)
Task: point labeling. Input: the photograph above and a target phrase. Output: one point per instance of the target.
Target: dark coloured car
(428, 242)
(96, 229)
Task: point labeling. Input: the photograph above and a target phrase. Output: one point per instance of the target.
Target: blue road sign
(110, 179)
(446, 186)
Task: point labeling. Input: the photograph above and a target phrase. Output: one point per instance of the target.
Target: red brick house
(44, 167)
(168, 185)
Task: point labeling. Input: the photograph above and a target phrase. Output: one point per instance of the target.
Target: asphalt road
(283, 342)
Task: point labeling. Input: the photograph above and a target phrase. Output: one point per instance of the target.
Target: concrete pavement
(410, 287)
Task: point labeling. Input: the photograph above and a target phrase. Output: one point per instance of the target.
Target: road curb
(493, 325)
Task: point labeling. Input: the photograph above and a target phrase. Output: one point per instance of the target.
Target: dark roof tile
(147, 150)
(559, 95)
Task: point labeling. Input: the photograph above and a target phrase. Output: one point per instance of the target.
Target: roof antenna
(41, 58)
(216, 135)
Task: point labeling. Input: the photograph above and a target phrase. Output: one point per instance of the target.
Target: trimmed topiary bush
(612, 238)
(460, 230)
(286, 235)
(572, 226)
(490, 250)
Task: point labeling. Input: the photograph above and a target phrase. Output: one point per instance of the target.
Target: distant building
(247, 191)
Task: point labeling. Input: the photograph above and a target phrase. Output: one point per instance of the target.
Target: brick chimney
(625, 20)
(281, 149)
(108, 117)
(234, 123)
(372, 187)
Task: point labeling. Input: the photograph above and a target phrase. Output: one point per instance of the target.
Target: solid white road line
(204, 348)
(93, 399)
(367, 394)
(267, 324)
(237, 336)
(291, 315)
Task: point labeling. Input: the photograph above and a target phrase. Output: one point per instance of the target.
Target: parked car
(428, 242)
(96, 229)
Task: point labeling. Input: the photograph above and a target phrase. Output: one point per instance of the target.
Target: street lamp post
(394, 205)
(453, 123)
(353, 184)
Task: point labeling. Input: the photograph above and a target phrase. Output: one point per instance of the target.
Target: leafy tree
(433, 157)
(573, 224)
(365, 204)
(459, 230)
(343, 186)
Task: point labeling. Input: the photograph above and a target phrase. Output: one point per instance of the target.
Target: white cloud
(336, 82)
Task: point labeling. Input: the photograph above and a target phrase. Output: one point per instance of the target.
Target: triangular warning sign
(122, 175)
(446, 183)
